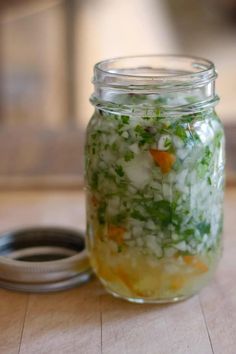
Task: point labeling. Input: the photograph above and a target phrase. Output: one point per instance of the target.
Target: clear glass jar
(154, 177)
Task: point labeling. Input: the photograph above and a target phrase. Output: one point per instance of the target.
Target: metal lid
(43, 259)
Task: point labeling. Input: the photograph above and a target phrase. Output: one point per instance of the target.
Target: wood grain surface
(87, 320)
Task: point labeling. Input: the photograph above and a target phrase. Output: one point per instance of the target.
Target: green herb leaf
(167, 143)
(147, 137)
(101, 212)
(138, 216)
(161, 211)
(129, 155)
(204, 228)
(188, 233)
(119, 170)
(204, 164)
(94, 180)
(114, 147)
(119, 218)
(119, 248)
(125, 119)
(181, 132)
(218, 138)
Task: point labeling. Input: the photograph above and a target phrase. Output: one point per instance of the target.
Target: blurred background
(47, 52)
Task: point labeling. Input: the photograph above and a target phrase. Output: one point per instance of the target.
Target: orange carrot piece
(195, 263)
(125, 278)
(163, 159)
(177, 282)
(189, 259)
(116, 233)
(129, 281)
(104, 271)
(94, 201)
(202, 267)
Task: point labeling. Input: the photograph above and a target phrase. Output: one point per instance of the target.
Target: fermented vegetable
(155, 201)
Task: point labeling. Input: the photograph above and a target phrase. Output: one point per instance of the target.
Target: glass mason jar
(154, 177)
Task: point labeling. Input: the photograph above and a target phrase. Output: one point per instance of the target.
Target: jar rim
(162, 70)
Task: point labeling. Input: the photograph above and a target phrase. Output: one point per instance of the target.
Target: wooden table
(86, 320)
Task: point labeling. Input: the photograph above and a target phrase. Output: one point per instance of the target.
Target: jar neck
(174, 84)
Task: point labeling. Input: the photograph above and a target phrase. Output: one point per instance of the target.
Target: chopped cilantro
(137, 215)
(188, 233)
(119, 170)
(160, 211)
(218, 139)
(114, 147)
(125, 119)
(181, 132)
(119, 218)
(204, 228)
(94, 180)
(119, 248)
(129, 155)
(167, 143)
(101, 213)
(146, 135)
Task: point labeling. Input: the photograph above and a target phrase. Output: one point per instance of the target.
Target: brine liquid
(141, 277)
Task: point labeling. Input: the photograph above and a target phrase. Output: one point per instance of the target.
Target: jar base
(149, 301)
